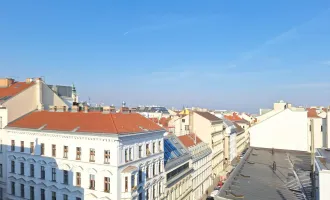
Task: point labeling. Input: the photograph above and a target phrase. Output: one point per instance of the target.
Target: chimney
(28, 80)
(106, 109)
(6, 82)
(75, 108)
(52, 108)
(112, 109)
(61, 108)
(39, 93)
(86, 108)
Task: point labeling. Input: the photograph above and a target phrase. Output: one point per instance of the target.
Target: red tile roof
(163, 121)
(233, 117)
(14, 89)
(311, 112)
(189, 140)
(93, 122)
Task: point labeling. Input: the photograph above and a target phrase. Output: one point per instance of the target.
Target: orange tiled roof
(233, 117)
(189, 140)
(14, 89)
(93, 122)
(163, 121)
(311, 112)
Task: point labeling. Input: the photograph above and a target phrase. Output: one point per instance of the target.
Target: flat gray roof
(254, 178)
(323, 158)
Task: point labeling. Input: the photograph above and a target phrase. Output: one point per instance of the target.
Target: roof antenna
(274, 166)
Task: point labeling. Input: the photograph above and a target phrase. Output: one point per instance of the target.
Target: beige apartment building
(21, 98)
(210, 129)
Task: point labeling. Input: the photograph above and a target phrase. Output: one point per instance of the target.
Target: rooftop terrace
(255, 179)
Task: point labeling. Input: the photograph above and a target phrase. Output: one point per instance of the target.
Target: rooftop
(175, 152)
(208, 116)
(254, 178)
(312, 113)
(92, 122)
(189, 140)
(323, 158)
(17, 87)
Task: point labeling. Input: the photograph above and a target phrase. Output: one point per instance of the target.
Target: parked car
(214, 193)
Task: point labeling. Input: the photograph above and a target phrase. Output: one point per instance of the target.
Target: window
(92, 182)
(31, 147)
(13, 145)
(154, 191)
(54, 174)
(0, 170)
(153, 147)
(65, 197)
(54, 150)
(78, 153)
(92, 155)
(183, 120)
(31, 193)
(126, 183)
(159, 188)
(53, 195)
(106, 156)
(130, 154)
(140, 151)
(186, 127)
(133, 181)
(65, 152)
(78, 198)
(147, 150)
(12, 167)
(321, 128)
(12, 188)
(22, 190)
(126, 155)
(22, 146)
(160, 167)
(78, 178)
(147, 194)
(31, 170)
(159, 146)
(42, 146)
(140, 196)
(153, 169)
(140, 176)
(22, 168)
(106, 184)
(65, 177)
(147, 172)
(42, 194)
(42, 172)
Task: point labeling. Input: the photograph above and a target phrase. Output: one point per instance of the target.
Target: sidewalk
(216, 181)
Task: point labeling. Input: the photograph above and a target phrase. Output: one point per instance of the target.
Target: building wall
(232, 147)
(98, 168)
(289, 125)
(320, 134)
(22, 103)
(324, 184)
(213, 135)
(202, 175)
(49, 97)
(181, 125)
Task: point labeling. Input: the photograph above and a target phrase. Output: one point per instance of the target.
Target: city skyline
(220, 55)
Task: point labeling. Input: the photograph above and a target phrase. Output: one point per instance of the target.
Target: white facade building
(289, 124)
(322, 174)
(83, 156)
(202, 164)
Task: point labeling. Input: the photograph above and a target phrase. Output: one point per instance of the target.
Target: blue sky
(220, 54)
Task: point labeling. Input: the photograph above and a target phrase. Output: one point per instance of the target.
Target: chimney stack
(52, 108)
(28, 80)
(106, 109)
(6, 82)
(75, 108)
(86, 108)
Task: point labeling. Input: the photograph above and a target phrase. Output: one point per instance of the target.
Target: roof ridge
(114, 124)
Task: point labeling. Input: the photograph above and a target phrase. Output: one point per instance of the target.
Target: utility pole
(312, 159)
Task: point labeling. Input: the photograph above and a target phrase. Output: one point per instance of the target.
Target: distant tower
(74, 94)
(123, 104)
